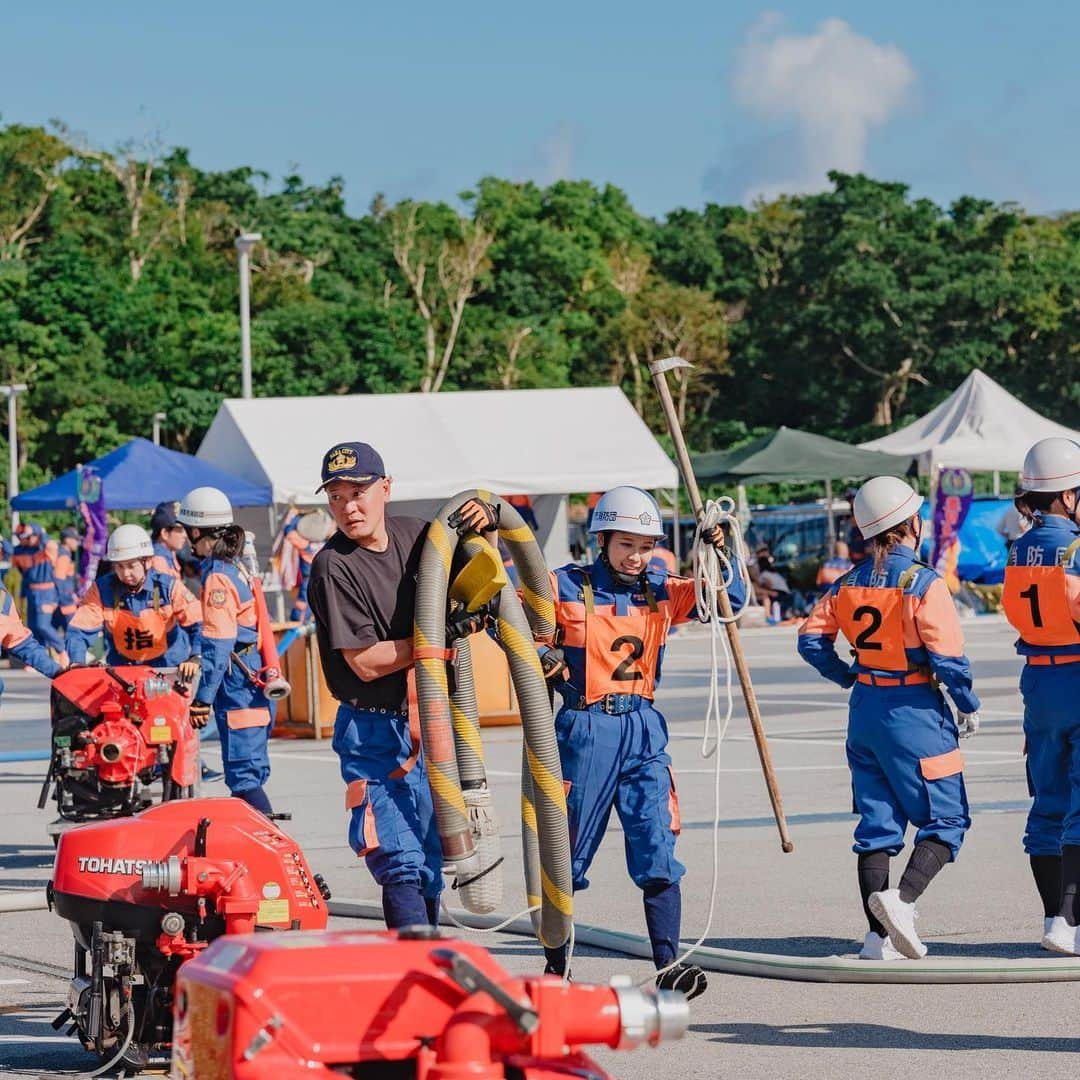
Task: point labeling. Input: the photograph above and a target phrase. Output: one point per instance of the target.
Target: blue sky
(677, 103)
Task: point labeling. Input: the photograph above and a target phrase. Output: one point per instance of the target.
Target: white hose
(508, 921)
(28, 900)
(115, 1059)
(826, 969)
(712, 572)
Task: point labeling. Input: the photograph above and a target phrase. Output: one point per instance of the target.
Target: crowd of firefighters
(614, 616)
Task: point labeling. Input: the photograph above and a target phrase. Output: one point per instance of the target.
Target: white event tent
(980, 427)
(543, 443)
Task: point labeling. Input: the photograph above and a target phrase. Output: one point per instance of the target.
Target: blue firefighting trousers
(905, 768)
(242, 713)
(392, 820)
(42, 619)
(1052, 729)
(620, 761)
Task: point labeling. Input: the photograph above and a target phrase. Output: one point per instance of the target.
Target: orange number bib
(622, 651)
(1036, 602)
(141, 637)
(872, 620)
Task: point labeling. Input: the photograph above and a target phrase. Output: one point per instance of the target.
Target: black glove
(475, 515)
(552, 662)
(714, 535)
(461, 623)
(199, 714)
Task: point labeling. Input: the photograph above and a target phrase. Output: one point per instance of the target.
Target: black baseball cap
(70, 533)
(355, 461)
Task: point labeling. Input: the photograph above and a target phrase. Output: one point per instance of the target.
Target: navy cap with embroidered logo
(354, 461)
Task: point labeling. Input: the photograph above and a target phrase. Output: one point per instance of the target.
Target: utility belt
(1048, 660)
(912, 678)
(397, 714)
(612, 704)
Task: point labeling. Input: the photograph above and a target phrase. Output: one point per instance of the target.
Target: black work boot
(688, 979)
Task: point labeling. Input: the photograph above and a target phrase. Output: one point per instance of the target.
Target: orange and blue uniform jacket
(241, 709)
(16, 640)
(920, 632)
(675, 601)
(35, 558)
(1041, 598)
(165, 560)
(158, 623)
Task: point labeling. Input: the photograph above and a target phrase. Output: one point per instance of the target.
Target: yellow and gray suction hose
(450, 728)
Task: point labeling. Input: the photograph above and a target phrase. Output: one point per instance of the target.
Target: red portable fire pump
(114, 731)
(146, 893)
(396, 1006)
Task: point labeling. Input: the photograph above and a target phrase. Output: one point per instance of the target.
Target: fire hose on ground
(820, 969)
(825, 969)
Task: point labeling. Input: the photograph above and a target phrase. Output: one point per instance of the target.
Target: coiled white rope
(712, 571)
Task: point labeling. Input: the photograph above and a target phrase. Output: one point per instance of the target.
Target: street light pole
(158, 418)
(11, 392)
(244, 243)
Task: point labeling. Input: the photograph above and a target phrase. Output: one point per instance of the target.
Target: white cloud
(552, 159)
(834, 84)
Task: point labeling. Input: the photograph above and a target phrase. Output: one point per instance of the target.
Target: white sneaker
(1061, 937)
(876, 947)
(1048, 922)
(899, 920)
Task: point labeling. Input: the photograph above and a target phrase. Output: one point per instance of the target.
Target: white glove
(967, 724)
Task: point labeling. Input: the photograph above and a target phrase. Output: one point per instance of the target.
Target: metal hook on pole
(658, 369)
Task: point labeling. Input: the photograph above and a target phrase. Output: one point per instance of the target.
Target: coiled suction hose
(450, 727)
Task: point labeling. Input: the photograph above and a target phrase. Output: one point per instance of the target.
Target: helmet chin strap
(618, 575)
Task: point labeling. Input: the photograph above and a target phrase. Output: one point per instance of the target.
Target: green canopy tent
(790, 454)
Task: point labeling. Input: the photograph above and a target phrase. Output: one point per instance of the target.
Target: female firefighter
(613, 619)
(147, 615)
(1042, 601)
(230, 646)
(902, 740)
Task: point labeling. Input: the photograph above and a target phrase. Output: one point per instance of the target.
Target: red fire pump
(114, 731)
(396, 1005)
(146, 893)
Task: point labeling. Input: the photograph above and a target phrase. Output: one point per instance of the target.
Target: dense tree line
(846, 313)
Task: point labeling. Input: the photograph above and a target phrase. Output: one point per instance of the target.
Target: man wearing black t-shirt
(363, 595)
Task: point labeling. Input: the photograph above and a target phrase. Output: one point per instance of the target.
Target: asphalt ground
(804, 904)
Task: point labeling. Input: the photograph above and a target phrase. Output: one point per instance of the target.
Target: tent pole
(997, 484)
(830, 543)
(279, 593)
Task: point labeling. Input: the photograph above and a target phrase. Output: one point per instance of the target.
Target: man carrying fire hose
(363, 597)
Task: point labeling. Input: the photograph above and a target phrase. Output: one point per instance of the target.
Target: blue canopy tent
(138, 476)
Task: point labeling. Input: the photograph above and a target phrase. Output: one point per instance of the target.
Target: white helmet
(883, 502)
(129, 542)
(1052, 465)
(627, 509)
(205, 508)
